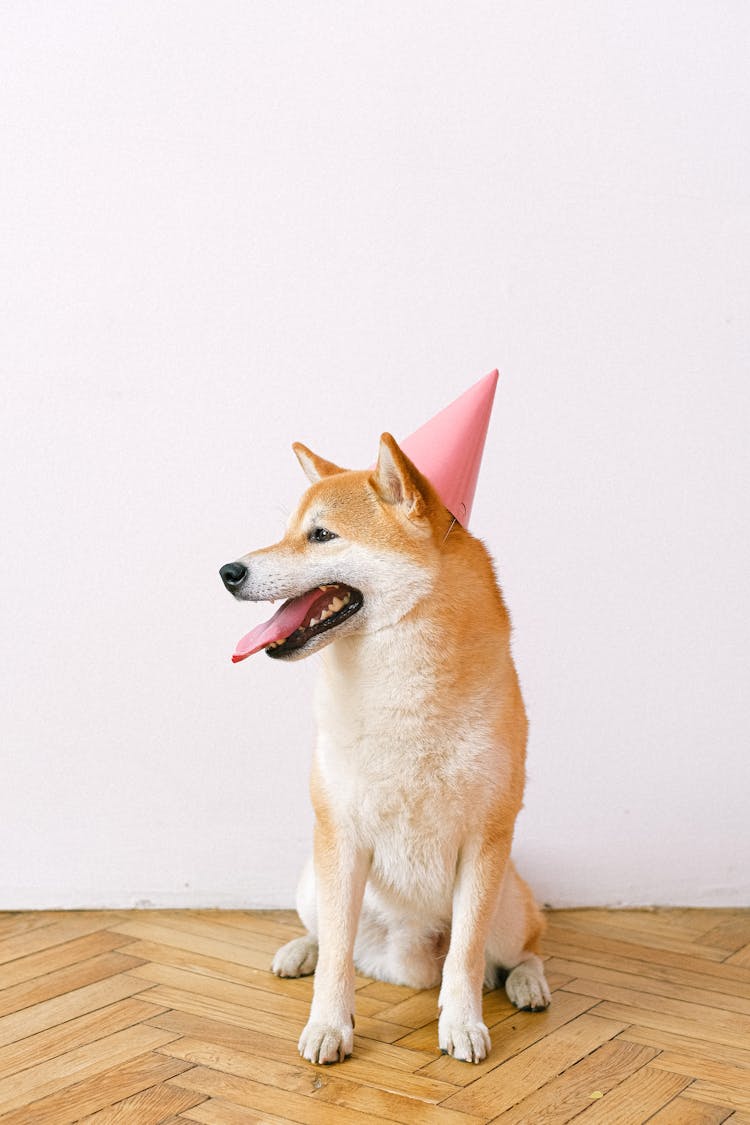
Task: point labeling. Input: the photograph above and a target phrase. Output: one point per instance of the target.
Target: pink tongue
(282, 625)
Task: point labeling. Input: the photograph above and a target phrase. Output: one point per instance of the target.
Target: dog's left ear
(395, 481)
(314, 467)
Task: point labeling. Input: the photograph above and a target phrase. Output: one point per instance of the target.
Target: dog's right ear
(314, 467)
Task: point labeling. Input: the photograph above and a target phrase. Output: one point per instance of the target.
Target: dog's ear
(314, 467)
(396, 480)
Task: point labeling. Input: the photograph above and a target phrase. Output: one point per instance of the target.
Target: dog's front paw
(468, 1041)
(297, 958)
(527, 987)
(323, 1043)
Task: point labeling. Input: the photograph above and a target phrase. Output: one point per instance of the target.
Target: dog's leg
(341, 873)
(461, 1029)
(513, 943)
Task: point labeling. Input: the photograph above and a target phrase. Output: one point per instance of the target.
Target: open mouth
(300, 619)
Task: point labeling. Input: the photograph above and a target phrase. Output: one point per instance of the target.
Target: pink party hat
(448, 449)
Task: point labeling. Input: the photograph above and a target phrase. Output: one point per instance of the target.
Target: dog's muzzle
(233, 574)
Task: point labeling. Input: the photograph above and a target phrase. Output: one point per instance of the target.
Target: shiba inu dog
(418, 770)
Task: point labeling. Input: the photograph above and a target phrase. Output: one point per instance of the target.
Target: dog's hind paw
(468, 1042)
(527, 987)
(323, 1043)
(297, 958)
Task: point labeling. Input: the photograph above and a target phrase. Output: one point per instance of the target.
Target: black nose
(233, 575)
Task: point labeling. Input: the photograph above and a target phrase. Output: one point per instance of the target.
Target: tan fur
(419, 768)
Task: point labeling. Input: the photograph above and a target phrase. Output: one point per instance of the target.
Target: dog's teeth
(314, 621)
(347, 599)
(326, 613)
(336, 605)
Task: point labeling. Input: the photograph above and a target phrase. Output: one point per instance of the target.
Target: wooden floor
(172, 1016)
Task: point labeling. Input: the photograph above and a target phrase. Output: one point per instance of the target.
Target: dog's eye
(321, 535)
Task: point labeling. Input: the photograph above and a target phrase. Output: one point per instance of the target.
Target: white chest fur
(403, 760)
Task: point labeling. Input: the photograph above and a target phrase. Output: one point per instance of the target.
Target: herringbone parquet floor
(172, 1016)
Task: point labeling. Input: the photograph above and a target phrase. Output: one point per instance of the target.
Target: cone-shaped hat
(448, 449)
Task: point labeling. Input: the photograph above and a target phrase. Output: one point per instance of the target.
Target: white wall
(226, 226)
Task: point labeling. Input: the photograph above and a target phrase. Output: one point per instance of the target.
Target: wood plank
(191, 1002)
(200, 924)
(259, 1019)
(220, 968)
(672, 925)
(393, 1107)
(149, 1107)
(301, 1108)
(740, 959)
(715, 978)
(500, 1089)
(619, 929)
(664, 1021)
(196, 943)
(62, 1008)
(20, 922)
(212, 941)
(72, 1066)
(395, 1055)
(572, 946)
(416, 1010)
(97, 1092)
(276, 924)
(731, 936)
(294, 1007)
(722, 1095)
(701, 1048)
(59, 956)
(421, 1009)
(690, 920)
(299, 1076)
(390, 994)
(701, 919)
(684, 1111)
(637, 1098)
(64, 980)
(564, 1097)
(718, 1018)
(24, 920)
(214, 1111)
(198, 963)
(706, 996)
(74, 1033)
(72, 925)
(270, 1046)
(694, 1066)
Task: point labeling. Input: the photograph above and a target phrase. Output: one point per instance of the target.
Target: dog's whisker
(450, 529)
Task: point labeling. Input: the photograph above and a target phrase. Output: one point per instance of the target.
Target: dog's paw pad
(527, 989)
(297, 958)
(468, 1042)
(323, 1043)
